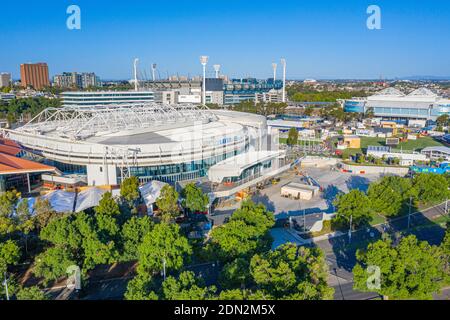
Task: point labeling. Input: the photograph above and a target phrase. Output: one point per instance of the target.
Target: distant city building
(271, 96)
(35, 75)
(76, 80)
(7, 96)
(5, 79)
(392, 104)
(218, 90)
(92, 98)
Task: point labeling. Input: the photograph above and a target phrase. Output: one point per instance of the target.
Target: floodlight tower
(204, 61)
(217, 70)
(283, 63)
(135, 74)
(274, 67)
(153, 71)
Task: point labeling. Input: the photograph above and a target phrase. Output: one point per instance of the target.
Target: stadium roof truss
(80, 123)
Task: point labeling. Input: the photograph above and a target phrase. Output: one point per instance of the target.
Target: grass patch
(377, 219)
(412, 145)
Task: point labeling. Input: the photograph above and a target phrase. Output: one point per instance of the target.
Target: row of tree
(406, 269)
(14, 109)
(111, 232)
(390, 197)
(250, 269)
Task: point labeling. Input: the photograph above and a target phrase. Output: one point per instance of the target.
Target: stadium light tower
(153, 71)
(204, 61)
(217, 70)
(274, 67)
(135, 74)
(283, 63)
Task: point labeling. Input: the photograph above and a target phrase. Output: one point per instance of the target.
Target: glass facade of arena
(172, 173)
(251, 172)
(429, 112)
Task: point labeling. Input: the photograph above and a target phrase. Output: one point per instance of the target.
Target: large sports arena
(392, 104)
(151, 141)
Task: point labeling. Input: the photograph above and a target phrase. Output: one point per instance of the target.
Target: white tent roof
(60, 200)
(88, 198)
(151, 191)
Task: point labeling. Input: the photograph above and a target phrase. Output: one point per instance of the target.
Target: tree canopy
(193, 198)
(354, 204)
(291, 272)
(167, 203)
(431, 187)
(410, 270)
(245, 233)
(163, 243)
(292, 137)
(390, 194)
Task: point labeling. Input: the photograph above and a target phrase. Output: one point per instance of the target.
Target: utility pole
(350, 230)
(304, 220)
(5, 283)
(409, 213)
(164, 268)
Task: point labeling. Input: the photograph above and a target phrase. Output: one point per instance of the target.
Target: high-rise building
(5, 79)
(76, 80)
(34, 74)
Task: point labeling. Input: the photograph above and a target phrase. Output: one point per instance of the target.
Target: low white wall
(400, 171)
(311, 161)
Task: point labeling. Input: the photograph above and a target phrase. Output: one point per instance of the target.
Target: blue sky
(319, 39)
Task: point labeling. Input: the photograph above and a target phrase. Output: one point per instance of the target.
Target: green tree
(8, 221)
(186, 287)
(107, 214)
(193, 198)
(236, 274)
(133, 233)
(445, 247)
(9, 255)
(430, 187)
(409, 270)
(141, 287)
(31, 293)
(43, 212)
(354, 204)
(129, 190)
(246, 233)
(292, 272)
(167, 203)
(292, 138)
(443, 120)
(52, 264)
(26, 222)
(390, 194)
(107, 205)
(164, 243)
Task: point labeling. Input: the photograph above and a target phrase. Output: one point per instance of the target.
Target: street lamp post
(283, 63)
(350, 230)
(164, 268)
(409, 213)
(204, 61)
(5, 283)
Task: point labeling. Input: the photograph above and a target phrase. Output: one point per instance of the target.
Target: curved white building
(153, 142)
(392, 104)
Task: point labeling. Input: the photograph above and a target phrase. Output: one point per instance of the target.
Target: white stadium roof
(80, 123)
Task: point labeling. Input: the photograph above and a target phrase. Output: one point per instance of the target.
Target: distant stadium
(392, 104)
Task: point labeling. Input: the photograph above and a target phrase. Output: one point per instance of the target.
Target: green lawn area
(413, 145)
(377, 219)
